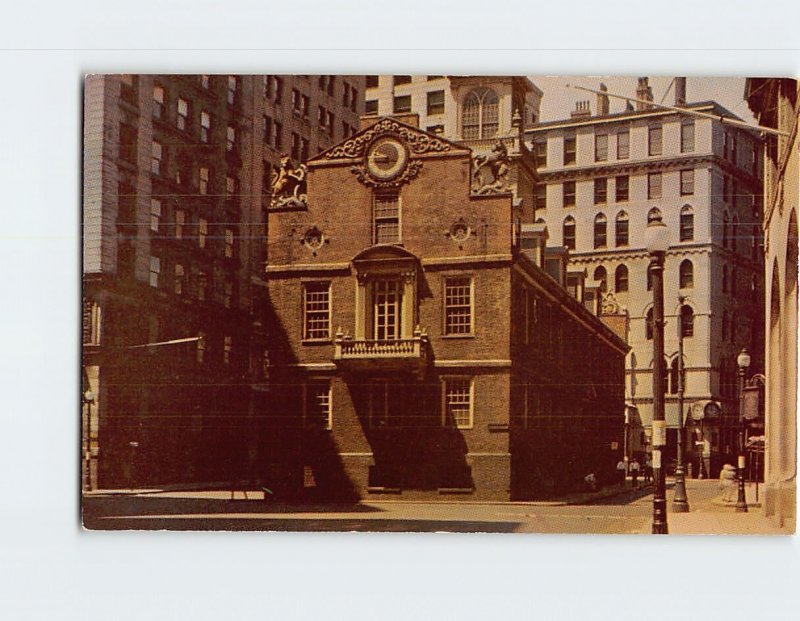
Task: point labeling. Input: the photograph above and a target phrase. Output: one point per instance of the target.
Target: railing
(347, 348)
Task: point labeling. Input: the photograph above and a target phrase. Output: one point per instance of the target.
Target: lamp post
(657, 242)
(88, 399)
(680, 503)
(743, 362)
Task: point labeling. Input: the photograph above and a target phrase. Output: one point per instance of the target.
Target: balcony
(410, 354)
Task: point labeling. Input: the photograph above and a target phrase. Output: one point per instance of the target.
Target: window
(540, 149)
(401, 79)
(570, 149)
(128, 86)
(402, 103)
(622, 188)
(157, 157)
(228, 294)
(295, 146)
(601, 276)
(278, 89)
(386, 301)
(180, 222)
(569, 233)
(127, 143)
(92, 321)
(204, 174)
(386, 219)
(232, 86)
(600, 231)
(457, 407)
(621, 230)
(318, 405)
(372, 81)
(654, 185)
(686, 274)
(229, 243)
(623, 145)
(436, 102)
(648, 325)
(230, 143)
(305, 106)
(155, 214)
(687, 136)
(725, 188)
(202, 232)
(182, 120)
(687, 182)
(205, 126)
(202, 286)
(316, 310)
(155, 271)
(371, 107)
(687, 223)
(304, 149)
(180, 275)
(201, 347)
(600, 191)
(621, 279)
(227, 346)
(231, 186)
(278, 140)
(158, 102)
(654, 146)
(540, 197)
(601, 147)
(480, 115)
(653, 215)
(687, 321)
(569, 193)
(458, 305)
(673, 377)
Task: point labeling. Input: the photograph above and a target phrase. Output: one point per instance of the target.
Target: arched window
(687, 321)
(734, 232)
(601, 276)
(622, 229)
(725, 230)
(600, 228)
(686, 276)
(687, 223)
(653, 214)
(648, 325)
(621, 279)
(480, 114)
(569, 233)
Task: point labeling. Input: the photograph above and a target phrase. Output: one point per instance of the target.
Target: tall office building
(177, 175)
(602, 177)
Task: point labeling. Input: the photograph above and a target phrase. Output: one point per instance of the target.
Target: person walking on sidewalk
(622, 471)
(648, 471)
(635, 473)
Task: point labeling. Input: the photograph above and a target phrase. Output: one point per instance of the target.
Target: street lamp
(88, 399)
(680, 503)
(743, 362)
(656, 237)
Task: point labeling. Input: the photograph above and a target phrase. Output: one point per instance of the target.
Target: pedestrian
(622, 471)
(591, 481)
(648, 470)
(635, 473)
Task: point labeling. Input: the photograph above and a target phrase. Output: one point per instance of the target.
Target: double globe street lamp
(743, 362)
(656, 237)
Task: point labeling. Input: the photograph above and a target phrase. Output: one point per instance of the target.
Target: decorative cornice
(418, 142)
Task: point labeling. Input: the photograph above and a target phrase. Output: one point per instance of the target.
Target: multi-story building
(422, 348)
(775, 104)
(177, 175)
(601, 178)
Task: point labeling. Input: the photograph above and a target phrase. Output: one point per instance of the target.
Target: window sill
(472, 335)
(325, 341)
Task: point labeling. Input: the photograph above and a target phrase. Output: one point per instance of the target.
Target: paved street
(628, 512)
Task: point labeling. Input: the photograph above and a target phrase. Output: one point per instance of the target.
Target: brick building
(177, 173)
(419, 345)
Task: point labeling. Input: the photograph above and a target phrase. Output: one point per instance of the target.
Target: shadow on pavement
(624, 497)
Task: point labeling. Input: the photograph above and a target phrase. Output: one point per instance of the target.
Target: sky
(559, 99)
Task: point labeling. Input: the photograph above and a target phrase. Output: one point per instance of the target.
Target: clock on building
(386, 158)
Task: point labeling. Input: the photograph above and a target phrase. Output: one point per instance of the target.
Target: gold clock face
(386, 158)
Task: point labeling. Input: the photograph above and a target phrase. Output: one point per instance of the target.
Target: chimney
(644, 92)
(602, 101)
(581, 110)
(680, 91)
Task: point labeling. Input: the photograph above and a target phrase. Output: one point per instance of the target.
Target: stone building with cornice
(601, 178)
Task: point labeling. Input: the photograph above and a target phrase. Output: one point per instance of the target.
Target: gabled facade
(417, 349)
